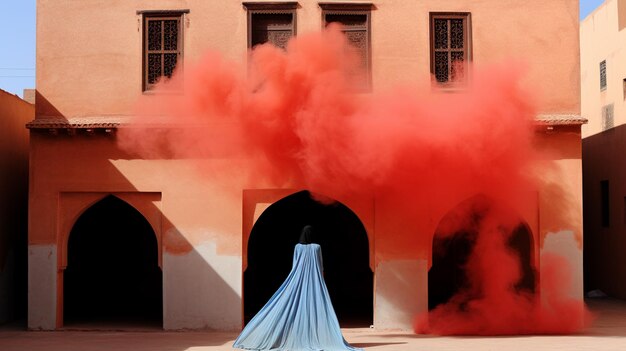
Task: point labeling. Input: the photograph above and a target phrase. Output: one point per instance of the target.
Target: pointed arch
(345, 247)
(73, 204)
(454, 241)
(112, 271)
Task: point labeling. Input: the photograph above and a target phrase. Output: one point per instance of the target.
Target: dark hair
(306, 236)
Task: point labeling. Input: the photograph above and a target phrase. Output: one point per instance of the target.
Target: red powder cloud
(494, 300)
(296, 120)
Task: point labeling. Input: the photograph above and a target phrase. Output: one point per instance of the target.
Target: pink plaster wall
(96, 70)
(92, 165)
(542, 34)
(89, 64)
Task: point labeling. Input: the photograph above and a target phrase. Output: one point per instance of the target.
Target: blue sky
(17, 42)
(586, 6)
(17, 45)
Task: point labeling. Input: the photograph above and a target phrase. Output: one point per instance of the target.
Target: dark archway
(345, 251)
(454, 241)
(112, 274)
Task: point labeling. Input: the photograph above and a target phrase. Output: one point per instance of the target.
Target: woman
(299, 316)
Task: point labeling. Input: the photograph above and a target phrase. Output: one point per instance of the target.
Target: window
(450, 47)
(604, 202)
(603, 75)
(162, 45)
(607, 117)
(355, 23)
(271, 23)
(624, 88)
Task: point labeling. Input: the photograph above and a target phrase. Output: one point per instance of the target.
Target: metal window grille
(607, 117)
(450, 46)
(603, 75)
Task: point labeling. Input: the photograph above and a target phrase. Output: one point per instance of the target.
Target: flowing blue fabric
(299, 316)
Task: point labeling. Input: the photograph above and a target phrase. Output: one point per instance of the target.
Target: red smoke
(498, 297)
(295, 120)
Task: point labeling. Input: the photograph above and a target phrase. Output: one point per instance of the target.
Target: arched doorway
(345, 250)
(112, 275)
(455, 240)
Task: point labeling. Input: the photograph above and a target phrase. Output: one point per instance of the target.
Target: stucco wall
(604, 258)
(203, 217)
(560, 202)
(14, 114)
(602, 38)
(89, 62)
(198, 223)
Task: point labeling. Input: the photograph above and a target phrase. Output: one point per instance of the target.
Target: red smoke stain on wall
(294, 117)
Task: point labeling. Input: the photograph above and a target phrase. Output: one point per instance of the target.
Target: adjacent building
(603, 95)
(14, 114)
(114, 237)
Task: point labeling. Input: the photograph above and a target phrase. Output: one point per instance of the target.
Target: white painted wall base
(202, 290)
(42, 287)
(401, 293)
(564, 244)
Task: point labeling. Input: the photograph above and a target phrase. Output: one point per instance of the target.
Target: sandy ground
(607, 333)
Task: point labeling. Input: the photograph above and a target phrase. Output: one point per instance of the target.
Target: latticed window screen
(603, 75)
(607, 117)
(450, 46)
(271, 22)
(162, 47)
(275, 28)
(355, 26)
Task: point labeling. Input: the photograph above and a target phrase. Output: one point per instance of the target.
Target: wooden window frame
(467, 48)
(270, 8)
(160, 15)
(356, 9)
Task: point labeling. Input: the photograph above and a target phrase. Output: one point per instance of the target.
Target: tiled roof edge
(77, 123)
(560, 119)
(117, 121)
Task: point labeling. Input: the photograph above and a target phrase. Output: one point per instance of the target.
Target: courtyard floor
(607, 333)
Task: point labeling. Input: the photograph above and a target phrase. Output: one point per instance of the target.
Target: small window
(607, 117)
(355, 22)
(450, 47)
(273, 23)
(624, 88)
(603, 75)
(162, 46)
(605, 203)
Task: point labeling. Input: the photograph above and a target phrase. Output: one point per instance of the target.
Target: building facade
(603, 83)
(153, 240)
(14, 114)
